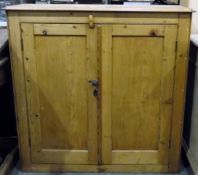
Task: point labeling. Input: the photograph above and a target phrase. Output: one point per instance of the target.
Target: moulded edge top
(100, 8)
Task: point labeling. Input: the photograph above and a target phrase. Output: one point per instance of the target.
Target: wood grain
(100, 8)
(60, 109)
(181, 69)
(136, 92)
(102, 17)
(106, 82)
(135, 123)
(103, 168)
(59, 29)
(137, 86)
(19, 89)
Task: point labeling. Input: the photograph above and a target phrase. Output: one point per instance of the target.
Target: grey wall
(191, 112)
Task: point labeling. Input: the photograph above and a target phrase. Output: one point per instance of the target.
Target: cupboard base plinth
(94, 168)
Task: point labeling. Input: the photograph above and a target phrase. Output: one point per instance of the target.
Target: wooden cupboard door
(137, 74)
(59, 59)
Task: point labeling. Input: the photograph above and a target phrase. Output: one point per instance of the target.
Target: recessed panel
(62, 82)
(136, 88)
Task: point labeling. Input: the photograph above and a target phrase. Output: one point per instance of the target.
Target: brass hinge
(22, 39)
(29, 142)
(22, 44)
(176, 45)
(169, 144)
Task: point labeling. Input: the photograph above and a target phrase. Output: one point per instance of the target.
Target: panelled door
(137, 72)
(59, 61)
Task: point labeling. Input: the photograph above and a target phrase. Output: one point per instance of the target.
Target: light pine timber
(102, 149)
(19, 89)
(137, 98)
(70, 143)
(98, 8)
(181, 69)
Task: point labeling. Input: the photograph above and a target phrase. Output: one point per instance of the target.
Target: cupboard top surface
(99, 8)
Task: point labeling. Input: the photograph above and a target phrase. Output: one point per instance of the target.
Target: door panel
(135, 92)
(137, 83)
(69, 69)
(59, 61)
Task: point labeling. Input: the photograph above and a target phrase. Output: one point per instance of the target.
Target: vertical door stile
(99, 68)
(167, 83)
(31, 86)
(106, 64)
(92, 107)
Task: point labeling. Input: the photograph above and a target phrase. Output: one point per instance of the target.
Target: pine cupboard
(99, 88)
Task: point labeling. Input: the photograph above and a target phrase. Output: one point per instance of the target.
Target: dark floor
(17, 172)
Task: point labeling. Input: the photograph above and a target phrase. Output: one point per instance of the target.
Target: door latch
(91, 22)
(95, 84)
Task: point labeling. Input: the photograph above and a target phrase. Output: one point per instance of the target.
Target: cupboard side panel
(19, 88)
(181, 69)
